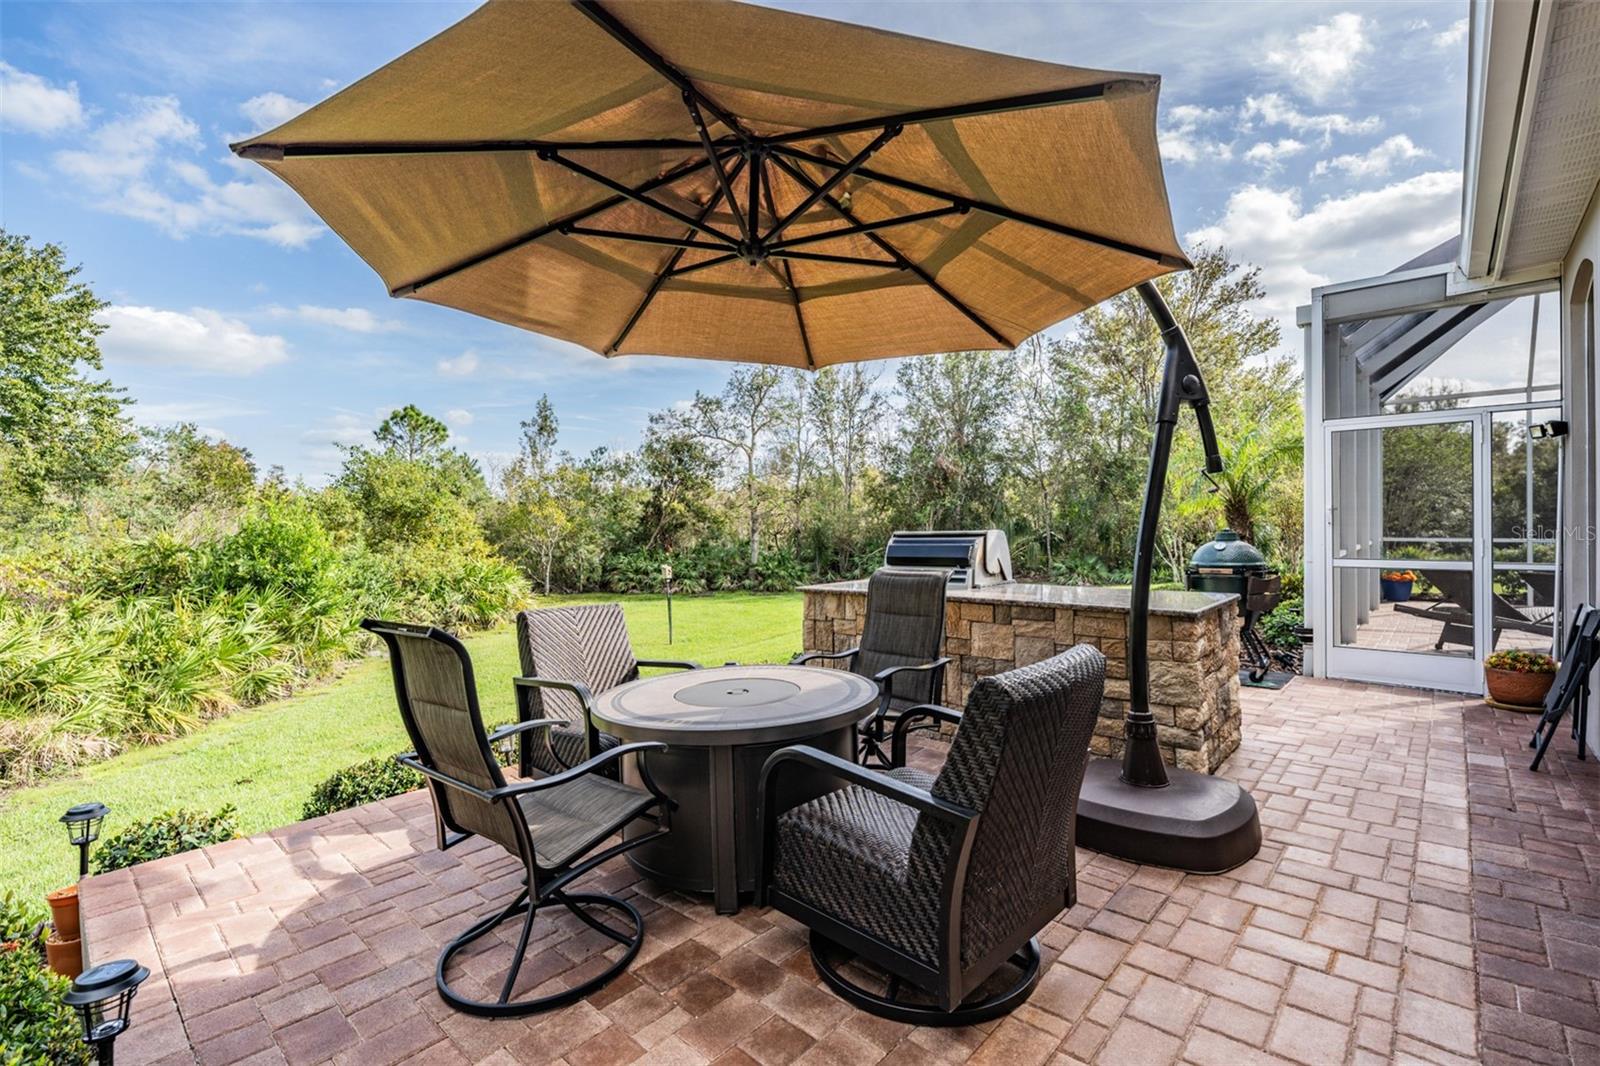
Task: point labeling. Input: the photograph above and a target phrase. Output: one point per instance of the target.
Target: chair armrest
(964, 819)
(885, 677)
(522, 727)
(903, 726)
(591, 733)
(588, 766)
(671, 664)
(806, 656)
(920, 800)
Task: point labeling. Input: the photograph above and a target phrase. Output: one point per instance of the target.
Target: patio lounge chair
(1570, 689)
(941, 881)
(553, 825)
(1455, 615)
(570, 654)
(899, 649)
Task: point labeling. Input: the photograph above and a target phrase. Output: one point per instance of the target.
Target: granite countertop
(1085, 597)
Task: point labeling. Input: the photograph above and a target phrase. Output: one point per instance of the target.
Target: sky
(1318, 141)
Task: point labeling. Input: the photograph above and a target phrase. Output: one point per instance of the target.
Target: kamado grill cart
(1228, 563)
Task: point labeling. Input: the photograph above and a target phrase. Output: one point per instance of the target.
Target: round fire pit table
(720, 725)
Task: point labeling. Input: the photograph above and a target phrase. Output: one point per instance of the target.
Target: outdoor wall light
(1556, 428)
(102, 996)
(83, 829)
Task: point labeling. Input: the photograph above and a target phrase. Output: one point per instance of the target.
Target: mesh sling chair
(941, 881)
(899, 649)
(1570, 689)
(553, 825)
(568, 655)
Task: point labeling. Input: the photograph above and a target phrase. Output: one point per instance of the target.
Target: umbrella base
(1198, 823)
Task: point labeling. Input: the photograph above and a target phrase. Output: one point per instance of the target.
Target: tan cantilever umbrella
(733, 182)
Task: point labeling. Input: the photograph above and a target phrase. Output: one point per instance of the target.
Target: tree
(679, 474)
(412, 434)
(739, 423)
(946, 462)
(59, 429)
(188, 470)
(845, 405)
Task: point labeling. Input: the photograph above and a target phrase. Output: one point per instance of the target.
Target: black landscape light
(102, 996)
(83, 829)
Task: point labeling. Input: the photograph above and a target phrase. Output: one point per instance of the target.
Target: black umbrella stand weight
(1143, 811)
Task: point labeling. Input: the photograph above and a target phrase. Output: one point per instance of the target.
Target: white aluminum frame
(1420, 669)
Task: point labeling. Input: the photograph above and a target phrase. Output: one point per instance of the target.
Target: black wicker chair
(943, 881)
(899, 649)
(568, 655)
(553, 825)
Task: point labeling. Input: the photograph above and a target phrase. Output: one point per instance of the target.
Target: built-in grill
(975, 557)
(1228, 563)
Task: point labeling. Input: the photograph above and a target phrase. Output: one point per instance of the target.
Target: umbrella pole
(1141, 811)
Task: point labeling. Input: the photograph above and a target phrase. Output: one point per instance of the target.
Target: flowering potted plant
(1396, 584)
(1519, 678)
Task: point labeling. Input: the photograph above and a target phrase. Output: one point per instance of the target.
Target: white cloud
(1376, 161)
(1451, 35)
(271, 109)
(1184, 138)
(1273, 110)
(1319, 61)
(1269, 155)
(133, 165)
(163, 414)
(29, 104)
(457, 417)
(463, 365)
(1356, 235)
(354, 319)
(200, 339)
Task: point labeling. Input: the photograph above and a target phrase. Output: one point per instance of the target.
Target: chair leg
(505, 1006)
(972, 1011)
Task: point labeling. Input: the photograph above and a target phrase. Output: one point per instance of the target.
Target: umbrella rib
(890, 250)
(746, 227)
(869, 227)
(889, 133)
(788, 278)
(849, 260)
(545, 230)
(1027, 101)
(665, 272)
(551, 156)
(993, 209)
(641, 238)
(273, 153)
(656, 62)
(716, 260)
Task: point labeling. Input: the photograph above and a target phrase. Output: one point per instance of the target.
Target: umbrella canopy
(726, 181)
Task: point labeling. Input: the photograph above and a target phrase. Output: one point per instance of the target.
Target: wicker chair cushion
(568, 820)
(904, 627)
(587, 643)
(849, 853)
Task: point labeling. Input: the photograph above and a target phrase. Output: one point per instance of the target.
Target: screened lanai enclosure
(1433, 475)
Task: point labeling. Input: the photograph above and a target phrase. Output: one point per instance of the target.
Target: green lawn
(266, 760)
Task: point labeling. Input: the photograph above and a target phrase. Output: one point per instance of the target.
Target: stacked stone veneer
(1194, 660)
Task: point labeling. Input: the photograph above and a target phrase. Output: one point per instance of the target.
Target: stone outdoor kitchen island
(1194, 652)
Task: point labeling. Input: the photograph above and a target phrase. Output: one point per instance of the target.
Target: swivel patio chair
(570, 654)
(942, 881)
(899, 649)
(553, 825)
(1570, 688)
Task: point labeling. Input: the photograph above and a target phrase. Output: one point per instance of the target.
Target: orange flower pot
(64, 912)
(1517, 688)
(64, 956)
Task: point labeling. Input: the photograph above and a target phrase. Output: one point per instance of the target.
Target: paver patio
(1421, 896)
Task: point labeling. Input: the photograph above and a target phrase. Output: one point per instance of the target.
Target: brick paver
(1421, 896)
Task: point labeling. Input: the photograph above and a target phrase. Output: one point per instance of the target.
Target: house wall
(1581, 502)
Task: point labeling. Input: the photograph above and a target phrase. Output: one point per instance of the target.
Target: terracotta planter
(64, 912)
(64, 956)
(1515, 688)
